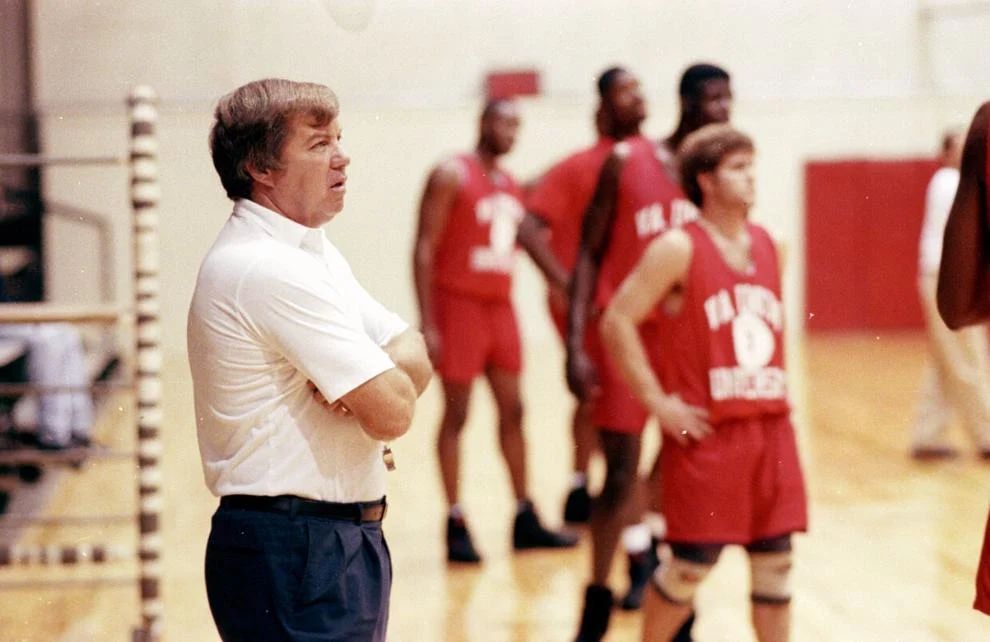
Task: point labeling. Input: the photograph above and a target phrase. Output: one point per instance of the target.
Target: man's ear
(263, 177)
(705, 181)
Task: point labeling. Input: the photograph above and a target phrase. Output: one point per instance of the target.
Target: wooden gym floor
(890, 555)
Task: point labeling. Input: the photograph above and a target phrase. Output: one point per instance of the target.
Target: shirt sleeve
(315, 323)
(381, 324)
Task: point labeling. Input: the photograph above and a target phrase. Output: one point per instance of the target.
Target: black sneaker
(460, 548)
(596, 613)
(528, 532)
(641, 568)
(577, 508)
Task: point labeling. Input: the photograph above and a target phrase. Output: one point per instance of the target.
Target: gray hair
(250, 125)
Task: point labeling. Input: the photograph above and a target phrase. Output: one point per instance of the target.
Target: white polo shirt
(276, 306)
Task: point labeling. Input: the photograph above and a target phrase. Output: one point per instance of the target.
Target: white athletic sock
(456, 512)
(636, 538)
(657, 524)
(579, 480)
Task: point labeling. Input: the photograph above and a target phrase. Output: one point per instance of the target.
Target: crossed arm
(384, 404)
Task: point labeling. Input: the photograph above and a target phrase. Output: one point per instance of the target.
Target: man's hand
(582, 376)
(337, 407)
(683, 422)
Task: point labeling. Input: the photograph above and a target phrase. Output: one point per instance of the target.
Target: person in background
(551, 229)
(957, 374)
(637, 197)
(714, 376)
(462, 264)
(56, 358)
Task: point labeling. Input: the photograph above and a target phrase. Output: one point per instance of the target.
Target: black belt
(357, 512)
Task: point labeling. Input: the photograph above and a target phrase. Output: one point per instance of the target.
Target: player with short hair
(462, 263)
(637, 198)
(551, 230)
(713, 374)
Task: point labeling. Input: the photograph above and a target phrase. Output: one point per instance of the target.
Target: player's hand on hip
(683, 422)
(582, 376)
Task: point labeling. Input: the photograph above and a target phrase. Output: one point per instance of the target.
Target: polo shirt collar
(279, 227)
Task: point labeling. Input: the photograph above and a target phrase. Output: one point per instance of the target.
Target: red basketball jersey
(561, 196)
(724, 350)
(476, 252)
(649, 202)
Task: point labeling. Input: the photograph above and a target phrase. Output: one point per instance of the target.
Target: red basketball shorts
(617, 408)
(740, 485)
(475, 334)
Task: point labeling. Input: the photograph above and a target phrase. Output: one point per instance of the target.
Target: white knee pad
(771, 576)
(678, 579)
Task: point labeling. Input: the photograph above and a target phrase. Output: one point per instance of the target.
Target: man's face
(500, 128)
(310, 186)
(715, 102)
(625, 100)
(733, 182)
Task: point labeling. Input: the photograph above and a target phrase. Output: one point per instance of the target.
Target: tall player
(551, 229)
(964, 276)
(731, 473)
(637, 198)
(463, 259)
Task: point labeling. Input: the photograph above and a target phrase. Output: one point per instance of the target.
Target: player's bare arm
(532, 237)
(661, 269)
(434, 210)
(595, 231)
(964, 275)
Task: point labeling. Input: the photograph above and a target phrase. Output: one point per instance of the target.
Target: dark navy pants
(273, 577)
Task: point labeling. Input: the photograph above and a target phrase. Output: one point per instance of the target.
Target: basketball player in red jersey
(964, 275)
(463, 259)
(713, 375)
(637, 198)
(551, 229)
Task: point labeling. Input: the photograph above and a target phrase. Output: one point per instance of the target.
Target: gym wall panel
(862, 224)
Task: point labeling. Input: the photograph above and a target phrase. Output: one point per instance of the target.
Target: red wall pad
(509, 83)
(862, 223)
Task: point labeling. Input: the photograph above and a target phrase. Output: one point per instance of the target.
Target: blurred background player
(957, 375)
(731, 473)
(463, 260)
(551, 229)
(964, 274)
(637, 197)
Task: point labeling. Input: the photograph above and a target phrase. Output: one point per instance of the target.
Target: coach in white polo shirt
(300, 380)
